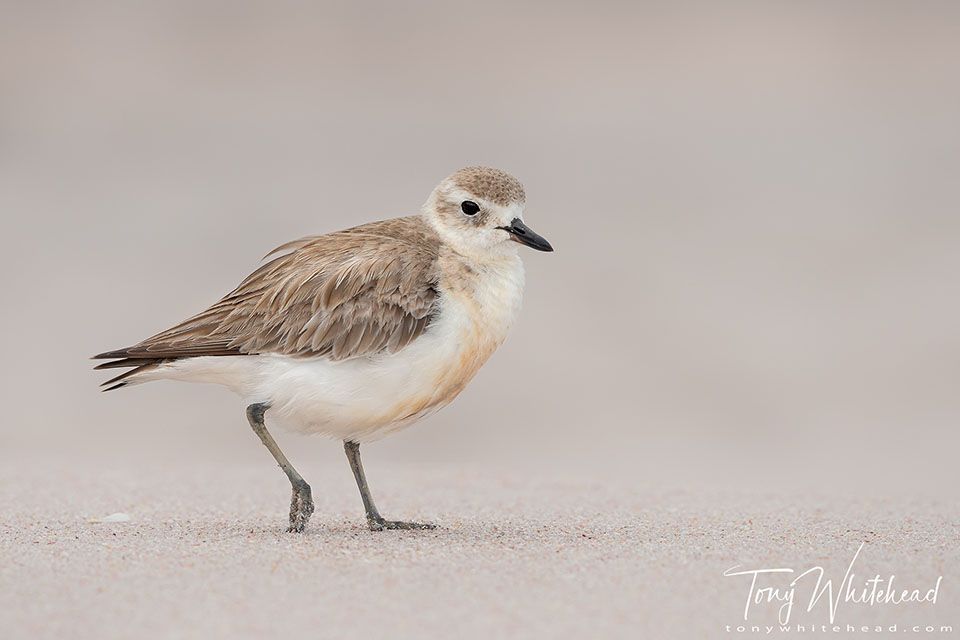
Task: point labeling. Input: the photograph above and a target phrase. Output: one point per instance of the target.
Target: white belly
(363, 399)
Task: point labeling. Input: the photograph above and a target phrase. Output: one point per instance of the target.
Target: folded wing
(364, 291)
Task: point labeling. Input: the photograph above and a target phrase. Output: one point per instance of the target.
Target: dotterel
(362, 332)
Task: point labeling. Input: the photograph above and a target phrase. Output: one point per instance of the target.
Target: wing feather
(358, 292)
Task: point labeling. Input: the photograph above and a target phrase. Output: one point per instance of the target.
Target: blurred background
(754, 209)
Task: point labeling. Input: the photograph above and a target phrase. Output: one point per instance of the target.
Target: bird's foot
(301, 507)
(379, 524)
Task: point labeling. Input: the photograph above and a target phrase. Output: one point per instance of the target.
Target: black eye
(469, 207)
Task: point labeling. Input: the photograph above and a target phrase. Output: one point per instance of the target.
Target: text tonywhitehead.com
(848, 628)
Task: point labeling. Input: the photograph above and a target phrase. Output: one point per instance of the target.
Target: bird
(359, 333)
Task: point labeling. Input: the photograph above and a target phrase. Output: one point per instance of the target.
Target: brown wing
(367, 290)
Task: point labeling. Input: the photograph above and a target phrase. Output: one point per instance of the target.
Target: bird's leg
(374, 519)
(301, 504)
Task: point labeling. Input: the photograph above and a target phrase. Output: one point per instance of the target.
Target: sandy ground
(204, 554)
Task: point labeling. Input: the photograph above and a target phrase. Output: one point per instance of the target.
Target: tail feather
(124, 362)
(122, 380)
(112, 355)
(125, 358)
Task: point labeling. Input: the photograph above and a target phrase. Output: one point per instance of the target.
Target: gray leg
(301, 505)
(374, 519)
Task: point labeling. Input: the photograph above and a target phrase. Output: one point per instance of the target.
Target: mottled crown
(494, 185)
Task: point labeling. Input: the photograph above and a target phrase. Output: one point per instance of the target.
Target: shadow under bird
(362, 332)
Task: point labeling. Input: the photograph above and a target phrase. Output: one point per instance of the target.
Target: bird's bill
(525, 235)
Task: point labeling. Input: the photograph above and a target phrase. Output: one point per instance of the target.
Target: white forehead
(498, 211)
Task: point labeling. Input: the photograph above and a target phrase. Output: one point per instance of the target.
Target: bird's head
(479, 211)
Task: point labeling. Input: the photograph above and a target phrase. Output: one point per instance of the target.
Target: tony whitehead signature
(875, 591)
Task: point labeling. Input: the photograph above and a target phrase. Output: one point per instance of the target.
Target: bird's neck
(490, 290)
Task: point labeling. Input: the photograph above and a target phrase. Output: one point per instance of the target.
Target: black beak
(525, 235)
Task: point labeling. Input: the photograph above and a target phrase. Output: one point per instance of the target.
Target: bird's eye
(470, 207)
